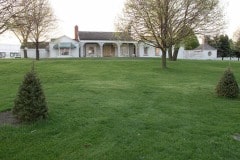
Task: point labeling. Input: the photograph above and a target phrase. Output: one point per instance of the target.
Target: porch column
(101, 49)
(119, 49)
(136, 50)
(82, 50)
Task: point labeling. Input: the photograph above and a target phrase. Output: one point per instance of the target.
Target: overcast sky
(232, 15)
(89, 15)
(100, 15)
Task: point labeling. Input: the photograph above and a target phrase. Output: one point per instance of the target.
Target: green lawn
(123, 109)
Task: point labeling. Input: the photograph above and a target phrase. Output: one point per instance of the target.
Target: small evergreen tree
(30, 104)
(227, 86)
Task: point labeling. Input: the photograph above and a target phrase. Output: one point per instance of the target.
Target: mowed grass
(123, 109)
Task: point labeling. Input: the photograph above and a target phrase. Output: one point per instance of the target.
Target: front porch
(108, 49)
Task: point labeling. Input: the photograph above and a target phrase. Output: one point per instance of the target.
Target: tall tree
(224, 46)
(222, 43)
(212, 41)
(236, 43)
(42, 20)
(236, 48)
(163, 23)
(236, 35)
(23, 23)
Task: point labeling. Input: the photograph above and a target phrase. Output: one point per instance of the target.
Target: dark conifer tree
(227, 86)
(30, 103)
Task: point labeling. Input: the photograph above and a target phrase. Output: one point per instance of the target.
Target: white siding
(199, 54)
(9, 50)
(31, 53)
(55, 53)
(148, 51)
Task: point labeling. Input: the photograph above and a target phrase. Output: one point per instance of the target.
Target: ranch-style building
(94, 44)
(104, 44)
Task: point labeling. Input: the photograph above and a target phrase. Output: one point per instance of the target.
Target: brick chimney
(76, 33)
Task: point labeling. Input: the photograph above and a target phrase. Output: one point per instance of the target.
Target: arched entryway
(91, 50)
(128, 50)
(109, 50)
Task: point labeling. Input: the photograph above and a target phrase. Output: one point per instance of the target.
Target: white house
(88, 44)
(63, 47)
(109, 44)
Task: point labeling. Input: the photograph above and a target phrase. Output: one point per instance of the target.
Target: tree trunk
(164, 59)
(175, 54)
(37, 51)
(170, 57)
(25, 52)
(25, 49)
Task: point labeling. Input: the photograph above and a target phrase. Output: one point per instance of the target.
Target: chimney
(76, 33)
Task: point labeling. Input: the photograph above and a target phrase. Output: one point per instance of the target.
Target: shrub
(227, 86)
(30, 104)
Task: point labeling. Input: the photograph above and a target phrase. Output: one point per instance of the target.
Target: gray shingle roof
(109, 36)
(205, 47)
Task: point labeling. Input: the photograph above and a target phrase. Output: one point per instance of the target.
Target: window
(91, 50)
(64, 51)
(209, 53)
(14, 54)
(157, 52)
(124, 51)
(145, 51)
(2, 54)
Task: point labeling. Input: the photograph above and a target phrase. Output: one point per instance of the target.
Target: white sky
(232, 16)
(89, 15)
(100, 15)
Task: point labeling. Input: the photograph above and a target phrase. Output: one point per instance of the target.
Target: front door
(108, 50)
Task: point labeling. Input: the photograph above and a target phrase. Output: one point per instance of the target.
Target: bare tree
(42, 22)
(236, 34)
(163, 23)
(7, 13)
(236, 43)
(23, 23)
